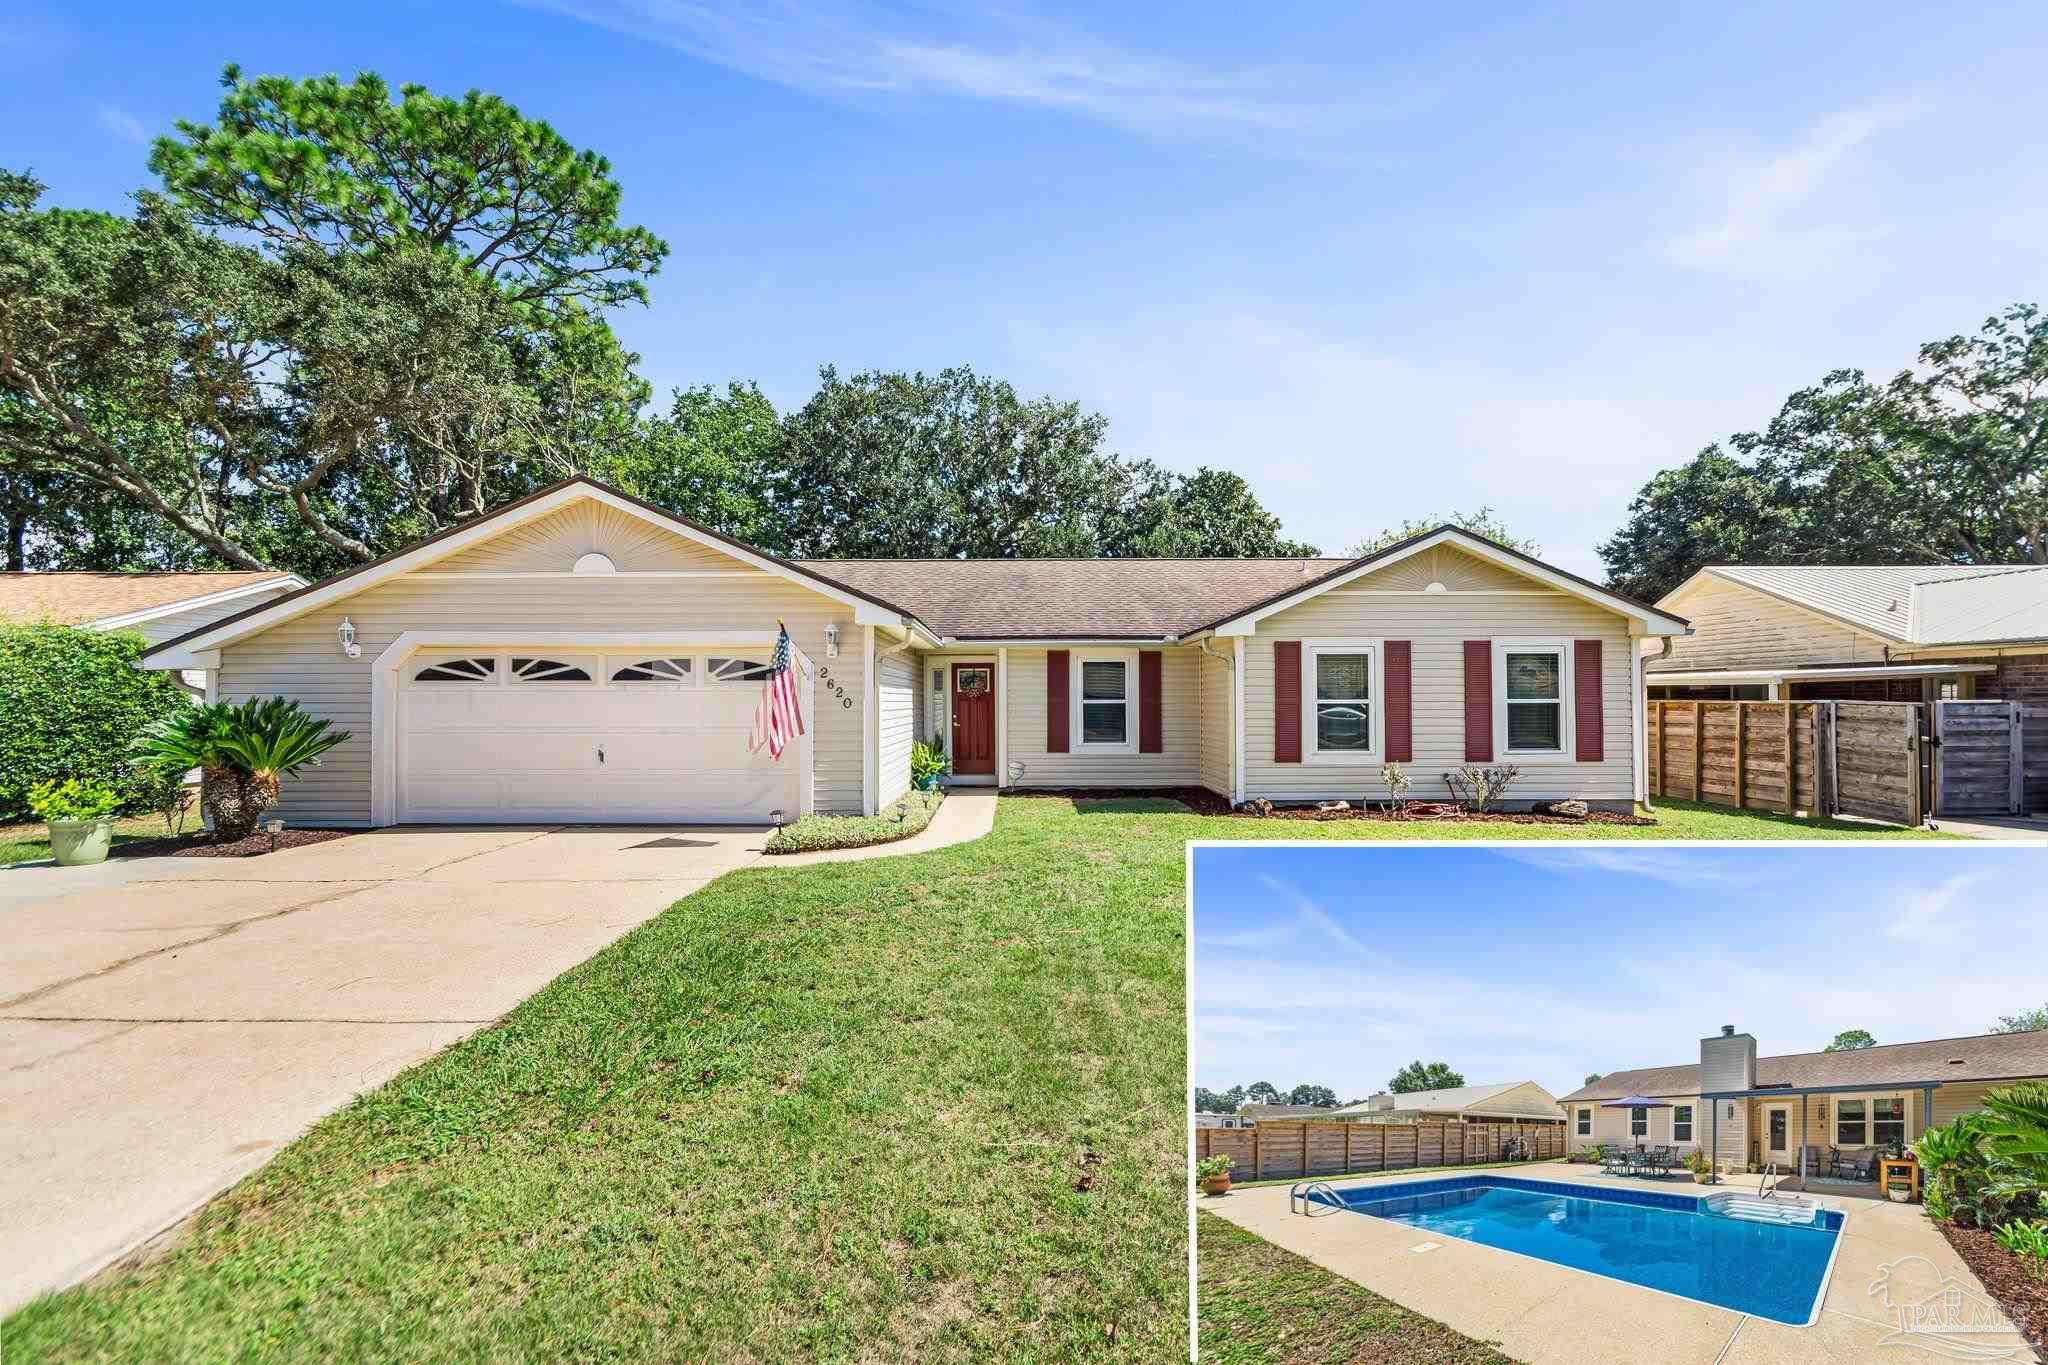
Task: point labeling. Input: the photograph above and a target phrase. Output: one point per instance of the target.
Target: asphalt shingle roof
(70, 599)
(1983, 1057)
(1001, 599)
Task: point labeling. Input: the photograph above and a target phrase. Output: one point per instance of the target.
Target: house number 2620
(832, 685)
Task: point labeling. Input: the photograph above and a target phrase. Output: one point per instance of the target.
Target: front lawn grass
(1261, 1304)
(901, 820)
(835, 1111)
(27, 843)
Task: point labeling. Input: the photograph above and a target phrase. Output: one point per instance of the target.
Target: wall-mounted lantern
(346, 633)
(831, 639)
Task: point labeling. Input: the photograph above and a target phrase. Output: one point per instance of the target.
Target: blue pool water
(1660, 1241)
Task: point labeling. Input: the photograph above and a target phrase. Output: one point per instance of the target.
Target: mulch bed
(1205, 802)
(2024, 1298)
(204, 845)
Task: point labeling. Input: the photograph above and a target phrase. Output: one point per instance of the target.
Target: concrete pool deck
(1889, 1259)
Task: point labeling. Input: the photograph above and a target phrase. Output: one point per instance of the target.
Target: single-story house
(582, 655)
(157, 606)
(1913, 633)
(1254, 1114)
(1748, 1112)
(1221, 1121)
(1506, 1102)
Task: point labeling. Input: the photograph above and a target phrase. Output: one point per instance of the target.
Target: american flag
(780, 718)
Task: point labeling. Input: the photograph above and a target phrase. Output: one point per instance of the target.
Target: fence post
(1699, 745)
(1657, 751)
(1258, 1160)
(1912, 765)
(1347, 1147)
(2015, 723)
(1791, 764)
(1741, 725)
(1827, 773)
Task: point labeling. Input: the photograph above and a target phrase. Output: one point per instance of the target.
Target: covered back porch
(1823, 1138)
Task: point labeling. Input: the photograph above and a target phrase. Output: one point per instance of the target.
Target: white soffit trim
(493, 525)
(284, 582)
(1654, 622)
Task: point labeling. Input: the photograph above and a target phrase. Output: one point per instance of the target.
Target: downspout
(1642, 707)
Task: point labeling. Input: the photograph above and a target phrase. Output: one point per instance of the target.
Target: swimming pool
(1667, 1242)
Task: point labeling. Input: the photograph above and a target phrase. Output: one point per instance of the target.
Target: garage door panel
(525, 751)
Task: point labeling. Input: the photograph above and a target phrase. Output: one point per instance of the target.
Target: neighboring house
(157, 606)
(1749, 1111)
(1254, 1114)
(582, 655)
(1220, 1121)
(1508, 1102)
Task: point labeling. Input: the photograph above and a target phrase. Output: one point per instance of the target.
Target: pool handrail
(1304, 1192)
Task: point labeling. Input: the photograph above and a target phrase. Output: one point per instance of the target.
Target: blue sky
(1336, 965)
(1383, 260)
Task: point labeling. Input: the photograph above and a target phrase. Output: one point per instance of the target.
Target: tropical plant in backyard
(244, 750)
(2029, 1242)
(1952, 1160)
(72, 799)
(2016, 1140)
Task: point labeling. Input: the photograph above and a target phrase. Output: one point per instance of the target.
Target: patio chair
(1614, 1159)
(1863, 1166)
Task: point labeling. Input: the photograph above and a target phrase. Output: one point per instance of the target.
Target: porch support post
(1805, 1103)
(1926, 1108)
(1002, 716)
(1714, 1133)
(870, 707)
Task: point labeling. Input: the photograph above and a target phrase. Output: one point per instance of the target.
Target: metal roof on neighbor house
(1915, 604)
(1451, 1100)
(1981, 1057)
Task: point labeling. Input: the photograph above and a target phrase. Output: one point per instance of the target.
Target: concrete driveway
(167, 1024)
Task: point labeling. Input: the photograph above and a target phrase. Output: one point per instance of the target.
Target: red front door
(974, 719)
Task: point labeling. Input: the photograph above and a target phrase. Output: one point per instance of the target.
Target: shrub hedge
(815, 832)
(71, 702)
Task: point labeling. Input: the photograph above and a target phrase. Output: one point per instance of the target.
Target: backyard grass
(901, 820)
(1261, 1304)
(29, 842)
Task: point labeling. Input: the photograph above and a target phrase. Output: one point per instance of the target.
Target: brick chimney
(1728, 1062)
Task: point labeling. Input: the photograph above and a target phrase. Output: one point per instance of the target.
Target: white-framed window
(669, 669)
(1585, 1123)
(1532, 701)
(1342, 717)
(534, 669)
(482, 668)
(1105, 700)
(1681, 1123)
(1852, 1123)
(1639, 1121)
(721, 669)
(1888, 1122)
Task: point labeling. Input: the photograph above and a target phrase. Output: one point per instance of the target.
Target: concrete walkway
(1889, 1258)
(167, 1024)
(966, 814)
(2017, 828)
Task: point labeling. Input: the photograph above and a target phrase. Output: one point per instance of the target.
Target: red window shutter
(1151, 719)
(1586, 707)
(1056, 707)
(1400, 704)
(1479, 701)
(1287, 701)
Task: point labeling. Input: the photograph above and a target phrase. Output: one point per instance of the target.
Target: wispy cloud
(123, 124)
(1932, 915)
(1670, 866)
(1760, 219)
(850, 48)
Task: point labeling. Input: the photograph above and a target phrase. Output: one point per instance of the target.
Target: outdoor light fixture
(831, 639)
(346, 632)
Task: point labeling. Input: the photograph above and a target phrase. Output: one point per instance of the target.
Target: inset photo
(1613, 1103)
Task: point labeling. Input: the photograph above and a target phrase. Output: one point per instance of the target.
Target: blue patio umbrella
(1636, 1102)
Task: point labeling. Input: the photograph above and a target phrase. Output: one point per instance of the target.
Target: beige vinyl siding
(1217, 723)
(178, 623)
(895, 690)
(1178, 765)
(1738, 627)
(300, 659)
(553, 544)
(1527, 1098)
(1951, 1102)
(1437, 625)
(1612, 1126)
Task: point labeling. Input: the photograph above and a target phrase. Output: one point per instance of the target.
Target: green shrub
(928, 763)
(245, 750)
(71, 702)
(815, 832)
(73, 800)
(2029, 1242)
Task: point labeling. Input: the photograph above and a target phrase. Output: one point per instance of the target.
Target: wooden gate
(1979, 764)
(1875, 759)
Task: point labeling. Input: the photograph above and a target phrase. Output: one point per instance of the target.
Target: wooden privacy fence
(1821, 757)
(1298, 1148)
(1980, 762)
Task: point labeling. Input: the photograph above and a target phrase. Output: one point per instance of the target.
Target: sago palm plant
(244, 750)
(1953, 1158)
(2016, 1140)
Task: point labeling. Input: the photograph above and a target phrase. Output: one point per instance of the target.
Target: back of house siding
(1437, 625)
(299, 659)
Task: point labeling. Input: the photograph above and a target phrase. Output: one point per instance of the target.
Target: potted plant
(1702, 1169)
(244, 750)
(928, 763)
(1213, 1174)
(80, 816)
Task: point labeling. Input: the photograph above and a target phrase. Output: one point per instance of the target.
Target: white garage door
(560, 735)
